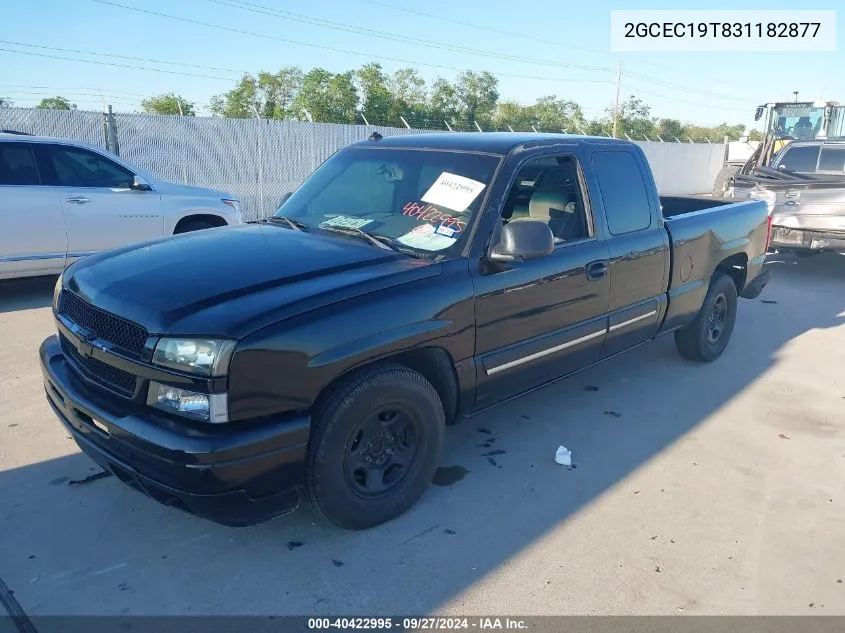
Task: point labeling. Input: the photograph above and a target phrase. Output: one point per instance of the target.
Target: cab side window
(77, 167)
(17, 165)
(623, 191)
(548, 190)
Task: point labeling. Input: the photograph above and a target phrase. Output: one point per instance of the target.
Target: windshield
(799, 121)
(413, 199)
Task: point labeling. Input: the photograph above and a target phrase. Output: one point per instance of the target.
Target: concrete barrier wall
(684, 168)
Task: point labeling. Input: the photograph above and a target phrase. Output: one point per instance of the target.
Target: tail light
(768, 232)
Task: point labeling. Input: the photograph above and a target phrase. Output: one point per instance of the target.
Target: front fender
(175, 211)
(284, 368)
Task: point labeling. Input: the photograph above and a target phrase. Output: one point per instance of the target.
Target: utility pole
(616, 106)
(179, 103)
(115, 147)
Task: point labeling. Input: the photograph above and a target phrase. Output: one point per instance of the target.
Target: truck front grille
(116, 379)
(129, 337)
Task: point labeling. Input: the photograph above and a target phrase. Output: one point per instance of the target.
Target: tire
(357, 473)
(696, 342)
(194, 225)
(725, 174)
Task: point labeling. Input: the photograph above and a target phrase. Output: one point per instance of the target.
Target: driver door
(100, 209)
(544, 318)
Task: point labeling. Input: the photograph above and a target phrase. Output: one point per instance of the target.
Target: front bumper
(785, 239)
(234, 474)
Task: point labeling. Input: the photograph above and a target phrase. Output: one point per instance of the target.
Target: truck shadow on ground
(26, 294)
(101, 548)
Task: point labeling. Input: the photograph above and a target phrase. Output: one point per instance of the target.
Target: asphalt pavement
(696, 489)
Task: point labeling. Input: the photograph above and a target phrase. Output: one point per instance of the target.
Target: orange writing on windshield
(430, 213)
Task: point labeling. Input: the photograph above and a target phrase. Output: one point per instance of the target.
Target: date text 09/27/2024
(417, 623)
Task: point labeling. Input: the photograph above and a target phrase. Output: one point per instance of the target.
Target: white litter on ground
(563, 456)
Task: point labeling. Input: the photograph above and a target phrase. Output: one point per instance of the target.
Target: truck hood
(232, 281)
(174, 189)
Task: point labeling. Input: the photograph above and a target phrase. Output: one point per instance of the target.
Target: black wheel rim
(717, 318)
(382, 450)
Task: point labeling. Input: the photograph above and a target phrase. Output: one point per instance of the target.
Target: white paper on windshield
(346, 222)
(453, 191)
(425, 238)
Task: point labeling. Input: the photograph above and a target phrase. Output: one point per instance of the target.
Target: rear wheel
(375, 443)
(723, 178)
(707, 336)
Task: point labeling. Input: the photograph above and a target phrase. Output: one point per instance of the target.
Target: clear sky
(550, 36)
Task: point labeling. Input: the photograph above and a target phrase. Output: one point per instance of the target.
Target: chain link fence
(259, 160)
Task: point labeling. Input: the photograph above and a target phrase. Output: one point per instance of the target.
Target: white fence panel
(259, 160)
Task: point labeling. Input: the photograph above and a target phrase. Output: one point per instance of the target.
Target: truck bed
(703, 231)
(673, 206)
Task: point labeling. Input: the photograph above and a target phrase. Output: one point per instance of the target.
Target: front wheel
(375, 443)
(707, 336)
(193, 225)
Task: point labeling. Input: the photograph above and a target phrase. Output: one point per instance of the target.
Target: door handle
(78, 199)
(597, 270)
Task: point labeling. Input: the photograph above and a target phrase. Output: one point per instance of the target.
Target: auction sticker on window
(346, 222)
(425, 237)
(453, 191)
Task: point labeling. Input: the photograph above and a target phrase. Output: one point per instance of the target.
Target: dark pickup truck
(409, 282)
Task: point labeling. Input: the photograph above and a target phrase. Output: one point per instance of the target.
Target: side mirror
(759, 113)
(284, 199)
(522, 240)
(139, 184)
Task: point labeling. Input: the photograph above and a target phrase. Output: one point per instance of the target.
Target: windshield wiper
(296, 225)
(375, 240)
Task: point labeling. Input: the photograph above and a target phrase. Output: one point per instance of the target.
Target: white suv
(61, 200)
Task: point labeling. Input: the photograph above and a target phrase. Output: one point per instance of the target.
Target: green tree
(5, 102)
(669, 129)
(755, 135)
(555, 115)
(376, 100)
(267, 96)
(169, 103)
(56, 103)
(634, 119)
(477, 95)
(513, 115)
(733, 132)
(327, 97)
(600, 127)
(443, 103)
(409, 97)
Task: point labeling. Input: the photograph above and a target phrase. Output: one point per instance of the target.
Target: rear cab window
(623, 191)
(417, 199)
(802, 159)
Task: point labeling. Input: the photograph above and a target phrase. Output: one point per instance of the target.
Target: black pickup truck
(409, 282)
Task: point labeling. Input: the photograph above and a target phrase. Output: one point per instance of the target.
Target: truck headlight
(197, 406)
(206, 357)
(57, 289)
